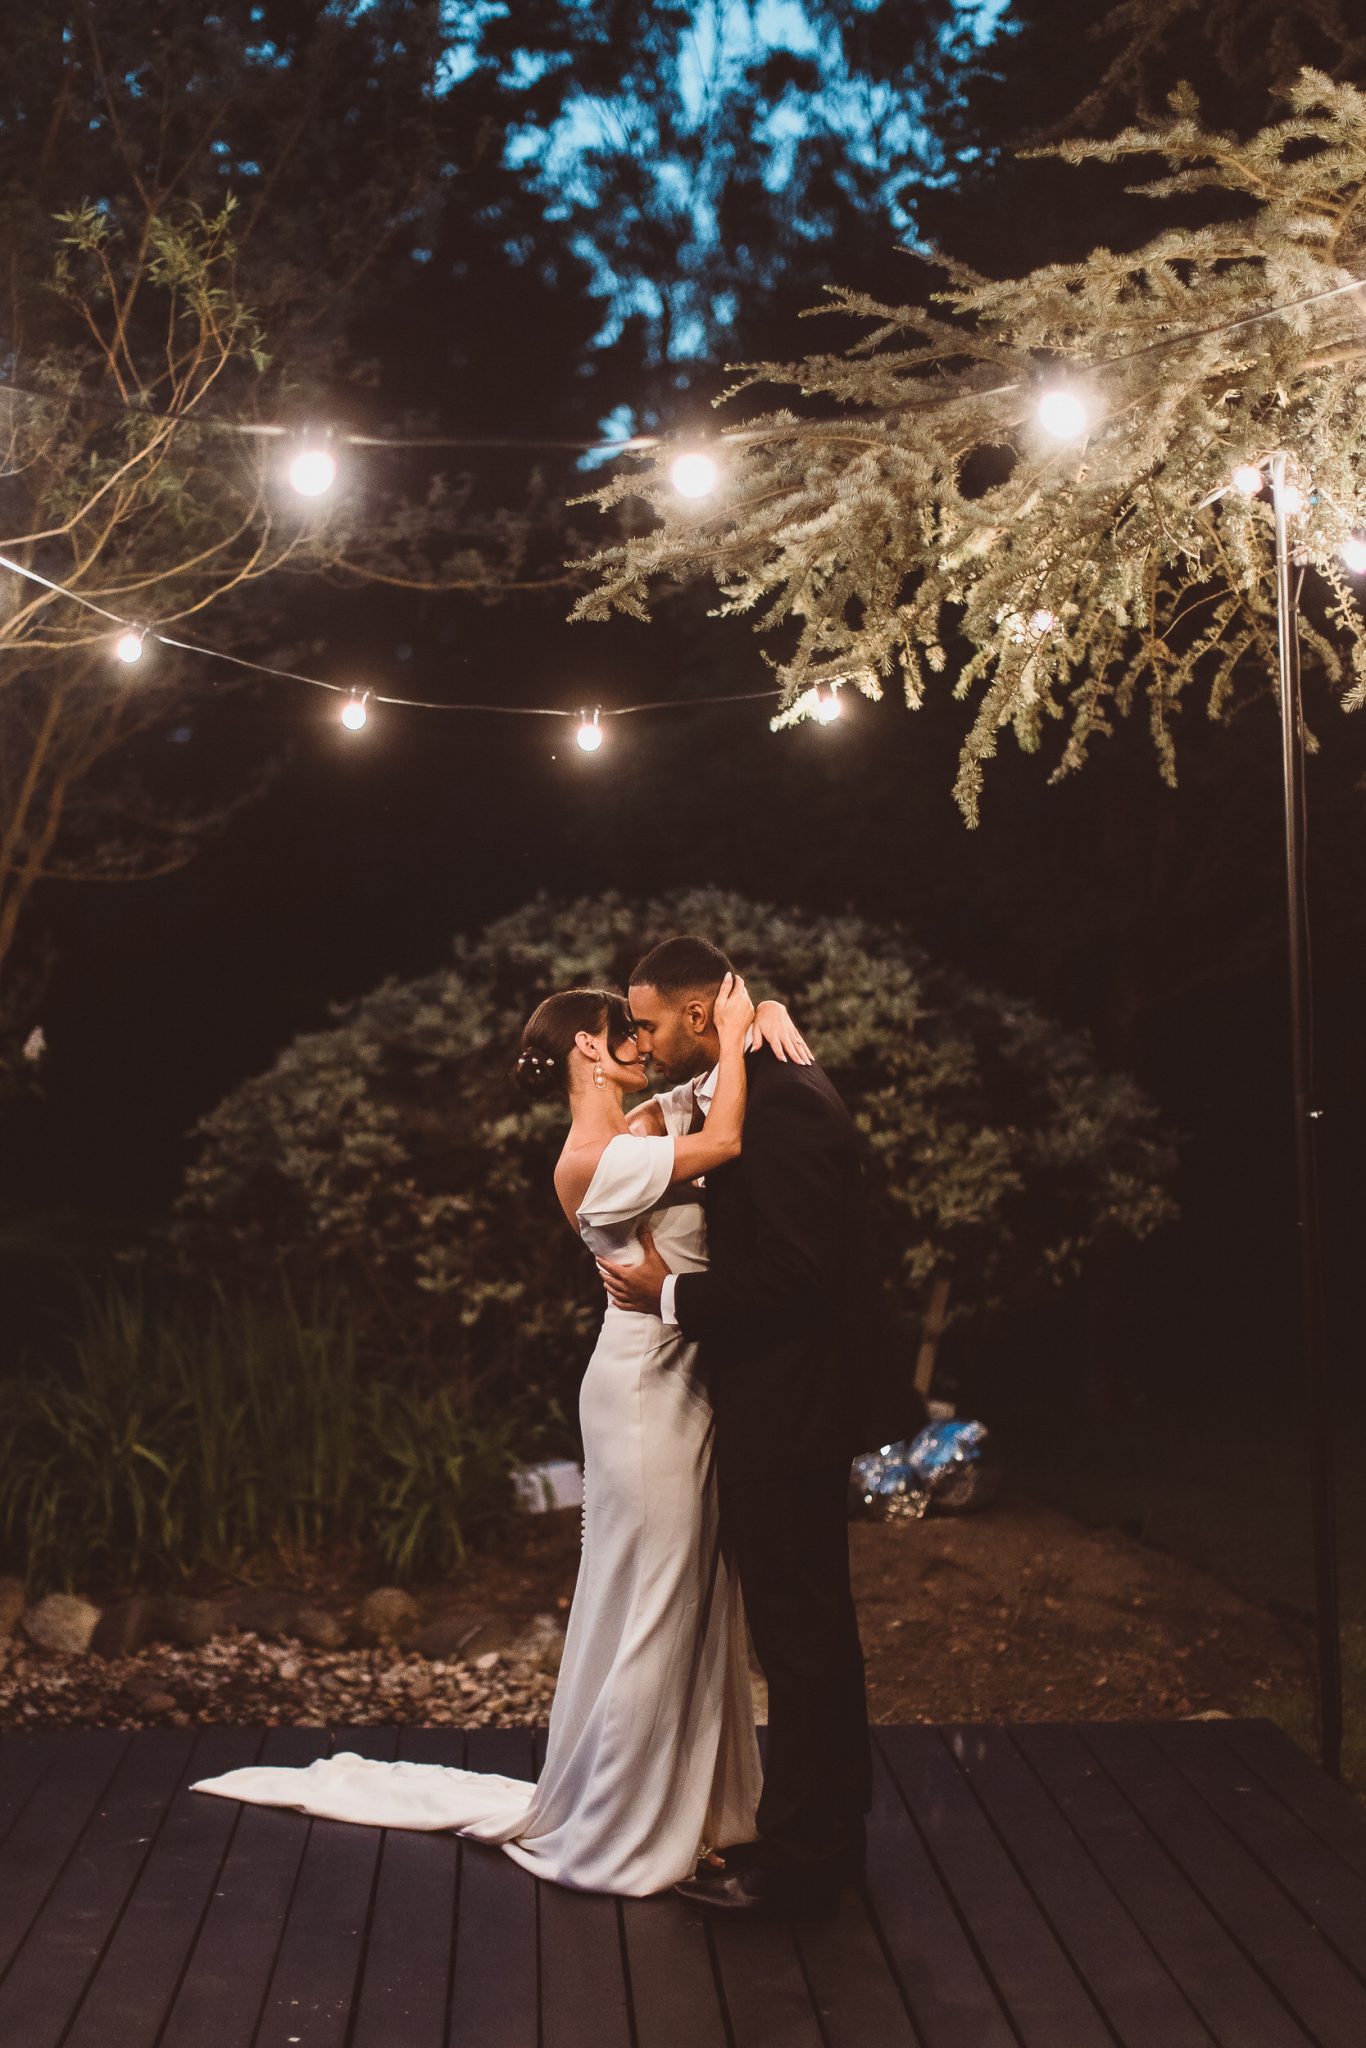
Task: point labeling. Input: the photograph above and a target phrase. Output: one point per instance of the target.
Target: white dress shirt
(703, 1089)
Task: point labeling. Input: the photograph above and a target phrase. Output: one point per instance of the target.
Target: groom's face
(673, 1033)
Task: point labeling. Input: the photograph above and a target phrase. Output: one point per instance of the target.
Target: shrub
(392, 1152)
(195, 1432)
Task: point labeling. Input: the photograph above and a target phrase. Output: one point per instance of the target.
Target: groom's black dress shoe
(760, 1894)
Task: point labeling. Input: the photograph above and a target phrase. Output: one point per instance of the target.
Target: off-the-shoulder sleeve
(676, 1107)
(631, 1176)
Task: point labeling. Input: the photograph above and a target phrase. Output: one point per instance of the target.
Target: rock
(487, 1661)
(451, 1636)
(63, 1622)
(12, 1604)
(388, 1615)
(123, 1628)
(191, 1623)
(498, 1636)
(142, 1684)
(540, 1646)
(289, 1669)
(157, 1703)
(319, 1629)
(263, 1611)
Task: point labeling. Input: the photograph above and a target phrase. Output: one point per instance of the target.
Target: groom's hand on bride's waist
(636, 1287)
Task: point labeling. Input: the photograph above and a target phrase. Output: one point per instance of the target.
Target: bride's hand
(732, 1012)
(774, 1027)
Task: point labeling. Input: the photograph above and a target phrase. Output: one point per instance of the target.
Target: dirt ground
(1016, 1613)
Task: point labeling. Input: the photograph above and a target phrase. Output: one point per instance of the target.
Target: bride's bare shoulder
(574, 1171)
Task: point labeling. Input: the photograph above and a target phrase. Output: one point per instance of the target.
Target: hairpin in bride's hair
(535, 1060)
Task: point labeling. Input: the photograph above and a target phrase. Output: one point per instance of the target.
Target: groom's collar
(704, 1088)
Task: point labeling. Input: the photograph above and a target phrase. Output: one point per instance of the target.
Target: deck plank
(1331, 1898)
(496, 1978)
(403, 1993)
(1314, 1983)
(765, 1990)
(856, 1997)
(140, 1968)
(674, 1992)
(67, 1936)
(1302, 1786)
(950, 1992)
(1039, 1985)
(1125, 1975)
(585, 1995)
(218, 2000)
(317, 1970)
(25, 1759)
(1108, 1886)
(1233, 1999)
(48, 1827)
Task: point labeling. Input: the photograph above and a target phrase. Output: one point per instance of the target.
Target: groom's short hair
(682, 967)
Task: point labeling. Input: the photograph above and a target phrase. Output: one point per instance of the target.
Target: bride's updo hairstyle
(543, 1063)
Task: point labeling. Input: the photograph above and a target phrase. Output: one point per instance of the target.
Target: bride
(651, 1752)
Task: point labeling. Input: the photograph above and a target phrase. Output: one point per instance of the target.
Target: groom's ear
(698, 1015)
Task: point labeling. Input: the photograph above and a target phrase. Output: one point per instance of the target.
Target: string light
(1353, 553)
(1063, 414)
(694, 474)
(128, 647)
(1248, 479)
(1292, 498)
(354, 714)
(589, 734)
(313, 471)
(827, 706)
(1041, 623)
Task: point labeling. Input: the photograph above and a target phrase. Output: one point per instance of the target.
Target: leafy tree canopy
(916, 503)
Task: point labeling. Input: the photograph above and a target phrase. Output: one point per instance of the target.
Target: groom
(797, 1358)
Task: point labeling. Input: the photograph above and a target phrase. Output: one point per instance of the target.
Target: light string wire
(290, 675)
(636, 444)
(642, 443)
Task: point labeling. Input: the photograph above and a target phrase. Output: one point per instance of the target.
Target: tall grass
(198, 1432)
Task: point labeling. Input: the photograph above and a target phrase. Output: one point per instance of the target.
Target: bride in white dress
(651, 1752)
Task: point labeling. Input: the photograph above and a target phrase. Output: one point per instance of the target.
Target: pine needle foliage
(915, 521)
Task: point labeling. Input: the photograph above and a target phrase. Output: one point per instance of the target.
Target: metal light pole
(1322, 1477)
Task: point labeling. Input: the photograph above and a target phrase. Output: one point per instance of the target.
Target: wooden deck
(1157, 1886)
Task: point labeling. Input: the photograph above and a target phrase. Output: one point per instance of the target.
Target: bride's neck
(595, 1113)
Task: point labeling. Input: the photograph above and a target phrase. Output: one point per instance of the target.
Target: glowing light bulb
(1041, 622)
(827, 707)
(128, 647)
(1248, 479)
(694, 475)
(354, 714)
(313, 471)
(1354, 554)
(1292, 497)
(589, 734)
(1063, 414)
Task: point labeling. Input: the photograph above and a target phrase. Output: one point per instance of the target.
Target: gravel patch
(244, 1682)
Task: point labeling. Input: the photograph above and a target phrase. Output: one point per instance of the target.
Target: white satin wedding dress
(651, 1748)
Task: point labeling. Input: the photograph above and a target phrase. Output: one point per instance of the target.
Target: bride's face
(626, 1065)
(620, 1059)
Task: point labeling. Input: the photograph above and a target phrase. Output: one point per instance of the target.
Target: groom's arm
(794, 1171)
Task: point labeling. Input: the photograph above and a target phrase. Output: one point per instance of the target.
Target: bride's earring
(599, 1078)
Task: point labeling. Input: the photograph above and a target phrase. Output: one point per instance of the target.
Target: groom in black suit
(798, 1359)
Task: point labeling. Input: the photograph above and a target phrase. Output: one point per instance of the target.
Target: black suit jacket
(797, 1343)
